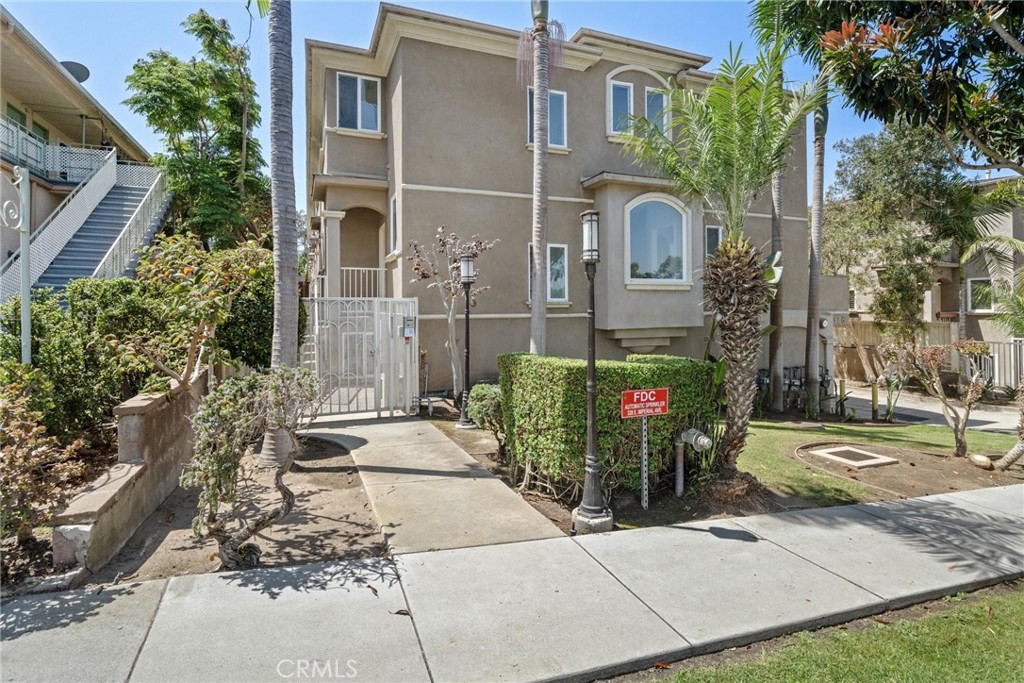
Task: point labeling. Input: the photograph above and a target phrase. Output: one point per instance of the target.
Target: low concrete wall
(154, 437)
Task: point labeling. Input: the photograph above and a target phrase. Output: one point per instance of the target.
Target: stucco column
(331, 252)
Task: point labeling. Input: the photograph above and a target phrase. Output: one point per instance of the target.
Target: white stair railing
(115, 262)
(60, 226)
(362, 282)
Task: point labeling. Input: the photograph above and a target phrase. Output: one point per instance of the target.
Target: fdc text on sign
(644, 402)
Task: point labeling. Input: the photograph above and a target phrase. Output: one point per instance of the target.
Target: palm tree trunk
(812, 347)
(539, 294)
(776, 357)
(285, 348)
(1012, 456)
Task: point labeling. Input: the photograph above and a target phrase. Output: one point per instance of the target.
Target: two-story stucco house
(429, 127)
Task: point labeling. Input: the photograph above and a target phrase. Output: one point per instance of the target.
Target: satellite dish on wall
(79, 71)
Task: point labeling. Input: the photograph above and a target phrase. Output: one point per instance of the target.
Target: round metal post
(464, 421)
(592, 515)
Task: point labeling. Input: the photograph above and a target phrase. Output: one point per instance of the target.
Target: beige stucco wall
(360, 238)
(455, 153)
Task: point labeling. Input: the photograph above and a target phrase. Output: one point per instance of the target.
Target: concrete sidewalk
(427, 493)
(550, 609)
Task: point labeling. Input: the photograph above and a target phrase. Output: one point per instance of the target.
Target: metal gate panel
(363, 353)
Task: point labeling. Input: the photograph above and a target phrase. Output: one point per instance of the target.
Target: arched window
(657, 241)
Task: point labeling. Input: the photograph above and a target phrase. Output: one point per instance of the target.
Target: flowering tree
(440, 266)
(927, 363)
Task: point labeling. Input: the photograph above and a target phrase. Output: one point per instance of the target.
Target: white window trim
(392, 237)
(359, 95)
(651, 283)
(665, 112)
(970, 296)
(565, 120)
(529, 274)
(721, 231)
(610, 119)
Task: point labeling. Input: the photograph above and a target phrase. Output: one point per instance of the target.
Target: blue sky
(109, 37)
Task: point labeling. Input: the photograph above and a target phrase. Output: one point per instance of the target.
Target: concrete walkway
(427, 493)
(550, 609)
(918, 409)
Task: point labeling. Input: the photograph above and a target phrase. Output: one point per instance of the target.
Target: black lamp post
(592, 515)
(468, 277)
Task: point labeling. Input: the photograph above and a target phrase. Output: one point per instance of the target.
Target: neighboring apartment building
(940, 309)
(88, 174)
(429, 127)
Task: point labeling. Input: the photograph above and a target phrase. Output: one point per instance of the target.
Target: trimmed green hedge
(544, 407)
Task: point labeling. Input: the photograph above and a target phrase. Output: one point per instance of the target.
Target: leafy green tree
(728, 142)
(205, 109)
(956, 67)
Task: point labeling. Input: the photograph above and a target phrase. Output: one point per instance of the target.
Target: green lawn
(980, 641)
(771, 444)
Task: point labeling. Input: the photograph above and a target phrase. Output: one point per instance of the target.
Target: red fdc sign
(644, 402)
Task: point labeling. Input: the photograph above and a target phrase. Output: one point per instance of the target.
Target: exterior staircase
(96, 231)
(83, 253)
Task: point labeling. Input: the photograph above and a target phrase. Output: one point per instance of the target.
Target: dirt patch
(914, 474)
(664, 508)
(332, 520)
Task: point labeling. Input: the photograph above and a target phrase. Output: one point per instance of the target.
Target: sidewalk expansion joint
(149, 627)
(412, 618)
(630, 591)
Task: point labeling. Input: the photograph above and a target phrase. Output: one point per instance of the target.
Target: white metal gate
(365, 352)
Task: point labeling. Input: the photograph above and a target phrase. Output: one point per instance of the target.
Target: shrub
(544, 403)
(86, 376)
(248, 333)
(35, 471)
(484, 409)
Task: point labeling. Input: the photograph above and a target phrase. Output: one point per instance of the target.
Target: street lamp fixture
(592, 516)
(467, 272)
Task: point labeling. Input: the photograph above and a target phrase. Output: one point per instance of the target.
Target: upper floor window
(40, 132)
(979, 294)
(657, 230)
(558, 122)
(852, 303)
(656, 111)
(558, 273)
(712, 238)
(359, 103)
(620, 106)
(17, 115)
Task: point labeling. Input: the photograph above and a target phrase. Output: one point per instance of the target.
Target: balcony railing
(362, 282)
(57, 163)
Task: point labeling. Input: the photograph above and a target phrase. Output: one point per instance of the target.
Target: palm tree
(539, 38)
(800, 22)
(284, 349)
(768, 31)
(1010, 316)
(728, 143)
(969, 217)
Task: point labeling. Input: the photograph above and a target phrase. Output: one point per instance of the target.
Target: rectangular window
(40, 132)
(558, 273)
(621, 107)
(656, 112)
(853, 300)
(393, 227)
(359, 103)
(558, 121)
(16, 115)
(979, 294)
(712, 238)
